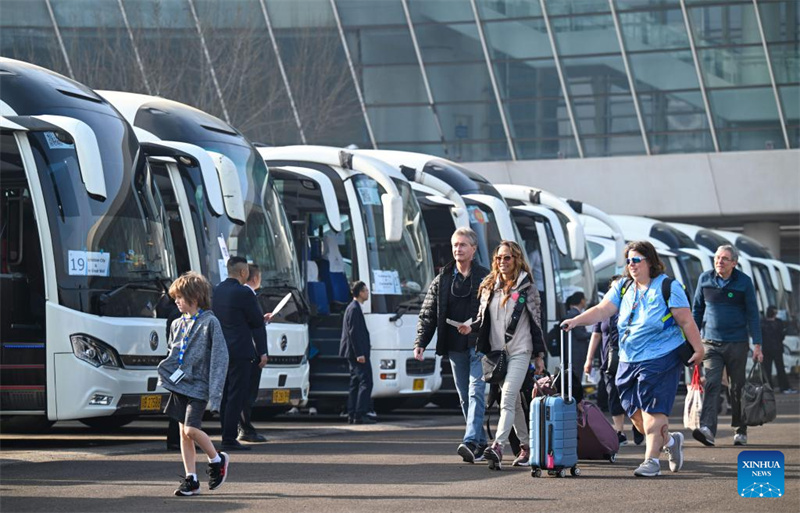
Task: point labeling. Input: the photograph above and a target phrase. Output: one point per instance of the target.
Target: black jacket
(239, 315)
(433, 314)
(355, 336)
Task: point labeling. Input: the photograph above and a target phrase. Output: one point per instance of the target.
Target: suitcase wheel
(612, 458)
(562, 473)
(575, 471)
(537, 472)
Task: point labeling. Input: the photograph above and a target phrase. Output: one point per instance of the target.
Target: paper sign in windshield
(223, 248)
(88, 263)
(476, 215)
(369, 195)
(223, 269)
(386, 282)
(55, 143)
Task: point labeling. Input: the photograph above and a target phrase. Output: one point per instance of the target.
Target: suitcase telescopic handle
(569, 368)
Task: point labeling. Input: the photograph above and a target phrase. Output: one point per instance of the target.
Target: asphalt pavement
(406, 463)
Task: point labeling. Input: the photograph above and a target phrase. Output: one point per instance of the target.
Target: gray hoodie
(205, 361)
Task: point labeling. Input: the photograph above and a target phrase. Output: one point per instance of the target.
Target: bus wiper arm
(405, 306)
(106, 296)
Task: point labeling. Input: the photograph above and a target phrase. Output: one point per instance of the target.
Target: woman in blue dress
(649, 342)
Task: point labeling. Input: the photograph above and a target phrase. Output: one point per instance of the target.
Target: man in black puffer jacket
(451, 301)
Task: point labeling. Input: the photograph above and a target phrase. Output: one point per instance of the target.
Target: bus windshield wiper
(279, 282)
(406, 306)
(155, 283)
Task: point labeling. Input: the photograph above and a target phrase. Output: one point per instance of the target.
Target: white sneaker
(312, 411)
(739, 439)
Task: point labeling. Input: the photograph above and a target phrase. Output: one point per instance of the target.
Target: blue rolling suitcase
(554, 428)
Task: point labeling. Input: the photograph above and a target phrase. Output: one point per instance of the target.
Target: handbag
(693, 406)
(495, 366)
(758, 398)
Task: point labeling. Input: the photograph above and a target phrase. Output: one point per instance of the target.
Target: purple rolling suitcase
(554, 429)
(597, 439)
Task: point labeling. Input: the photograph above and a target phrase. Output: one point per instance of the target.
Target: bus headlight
(93, 351)
(387, 364)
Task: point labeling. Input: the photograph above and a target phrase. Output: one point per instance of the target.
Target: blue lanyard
(184, 334)
(636, 298)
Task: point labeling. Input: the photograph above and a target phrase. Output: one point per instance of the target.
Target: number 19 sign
(88, 263)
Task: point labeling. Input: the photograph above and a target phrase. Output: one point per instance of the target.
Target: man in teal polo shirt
(725, 308)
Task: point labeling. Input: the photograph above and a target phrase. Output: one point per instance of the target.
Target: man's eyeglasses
(634, 260)
(503, 258)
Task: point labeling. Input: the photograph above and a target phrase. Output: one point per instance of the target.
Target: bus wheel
(108, 423)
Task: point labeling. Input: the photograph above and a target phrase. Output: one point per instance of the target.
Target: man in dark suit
(355, 348)
(239, 314)
(247, 432)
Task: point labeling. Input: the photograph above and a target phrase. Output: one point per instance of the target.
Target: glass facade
(471, 80)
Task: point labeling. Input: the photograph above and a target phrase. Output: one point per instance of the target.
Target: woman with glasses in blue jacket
(649, 342)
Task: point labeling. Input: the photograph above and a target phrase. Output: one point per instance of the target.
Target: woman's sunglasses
(503, 258)
(634, 260)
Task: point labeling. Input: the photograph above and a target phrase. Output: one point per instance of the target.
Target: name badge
(177, 376)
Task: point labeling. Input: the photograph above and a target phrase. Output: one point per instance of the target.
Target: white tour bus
(360, 220)
(452, 196)
(86, 260)
(215, 184)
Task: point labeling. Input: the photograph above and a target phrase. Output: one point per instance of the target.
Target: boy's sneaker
(523, 459)
(494, 455)
(739, 439)
(467, 452)
(479, 453)
(704, 436)
(638, 437)
(675, 452)
(648, 468)
(218, 472)
(623, 440)
(189, 486)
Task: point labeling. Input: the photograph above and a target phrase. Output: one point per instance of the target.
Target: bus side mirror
(231, 187)
(392, 217)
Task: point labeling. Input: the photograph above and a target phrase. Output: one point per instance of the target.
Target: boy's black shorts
(186, 410)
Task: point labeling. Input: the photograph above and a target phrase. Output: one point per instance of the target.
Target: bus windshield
(400, 271)
(112, 256)
(483, 222)
(693, 269)
(769, 285)
(265, 238)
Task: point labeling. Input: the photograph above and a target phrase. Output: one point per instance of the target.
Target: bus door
(22, 291)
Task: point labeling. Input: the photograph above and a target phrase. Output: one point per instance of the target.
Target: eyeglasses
(634, 260)
(503, 258)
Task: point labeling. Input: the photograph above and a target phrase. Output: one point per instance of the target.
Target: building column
(767, 233)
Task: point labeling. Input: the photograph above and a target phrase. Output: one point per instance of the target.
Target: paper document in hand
(280, 305)
(468, 322)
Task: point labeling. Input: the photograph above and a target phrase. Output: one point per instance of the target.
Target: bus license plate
(150, 403)
(280, 396)
(419, 384)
